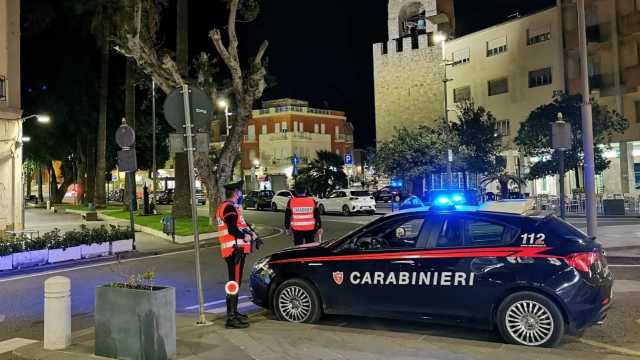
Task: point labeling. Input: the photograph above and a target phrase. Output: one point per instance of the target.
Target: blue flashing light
(457, 198)
(442, 200)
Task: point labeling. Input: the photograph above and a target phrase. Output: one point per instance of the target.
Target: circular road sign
(201, 109)
(125, 136)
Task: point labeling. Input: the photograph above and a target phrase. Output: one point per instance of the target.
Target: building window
(337, 131)
(316, 128)
(264, 129)
(637, 105)
(285, 127)
(277, 129)
(461, 57)
(301, 127)
(540, 77)
(251, 132)
(503, 127)
(636, 170)
(322, 129)
(3, 88)
(295, 126)
(462, 94)
(497, 46)
(498, 86)
(538, 35)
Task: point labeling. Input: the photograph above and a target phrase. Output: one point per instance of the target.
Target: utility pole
(587, 127)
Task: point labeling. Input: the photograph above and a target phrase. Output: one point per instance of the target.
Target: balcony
(246, 139)
(297, 109)
(344, 137)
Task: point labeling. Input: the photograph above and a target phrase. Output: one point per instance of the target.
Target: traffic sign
(295, 160)
(125, 135)
(348, 160)
(201, 109)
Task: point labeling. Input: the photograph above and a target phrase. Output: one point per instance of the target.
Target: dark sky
(319, 51)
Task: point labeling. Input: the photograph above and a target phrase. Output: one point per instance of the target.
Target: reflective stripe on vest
(227, 241)
(302, 218)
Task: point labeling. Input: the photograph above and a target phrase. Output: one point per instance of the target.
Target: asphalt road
(21, 297)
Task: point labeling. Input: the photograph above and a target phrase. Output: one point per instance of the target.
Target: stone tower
(408, 67)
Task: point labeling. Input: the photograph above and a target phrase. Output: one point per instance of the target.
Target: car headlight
(262, 264)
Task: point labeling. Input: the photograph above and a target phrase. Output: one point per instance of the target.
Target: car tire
(274, 207)
(546, 320)
(371, 212)
(346, 211)
(244, 206)
(296, 300)
(322, 209)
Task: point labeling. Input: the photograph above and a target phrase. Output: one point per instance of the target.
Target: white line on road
(212, 303)
(618, 349)
(624, 265)
(223, 309)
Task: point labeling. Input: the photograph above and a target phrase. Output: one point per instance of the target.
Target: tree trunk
(28, 181)
(91, 171)
(100, 198)
(130, 115)
(504, 189)
(81, 168)
(39, 180)
(182, 195)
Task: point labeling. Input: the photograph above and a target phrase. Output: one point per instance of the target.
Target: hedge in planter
(93, 245)
(63, 247)
(29, 252)
(6, 258)
(121, 239)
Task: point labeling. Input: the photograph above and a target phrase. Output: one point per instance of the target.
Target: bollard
(57, 313)
(48, 205)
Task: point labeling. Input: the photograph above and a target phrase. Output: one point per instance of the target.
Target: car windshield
(360, 193)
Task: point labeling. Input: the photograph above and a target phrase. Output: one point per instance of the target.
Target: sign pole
(194, 208)
(155, 167)
(131, 180)
(562, 196)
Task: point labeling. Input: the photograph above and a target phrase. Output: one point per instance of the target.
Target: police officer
(302, 217)
(236, 239)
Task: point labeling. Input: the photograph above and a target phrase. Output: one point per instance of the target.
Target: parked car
(383, 195)
(166, 197)
(412, 202)
(258, 199)
(348, 202)
(280, 200)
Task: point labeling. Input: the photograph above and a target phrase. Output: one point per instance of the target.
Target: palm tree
(324, 174)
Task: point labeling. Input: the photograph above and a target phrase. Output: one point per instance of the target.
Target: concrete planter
(6, 262)
(62, 255)
(30, 258)
(121, 246)
(94, 250)
(135, 324)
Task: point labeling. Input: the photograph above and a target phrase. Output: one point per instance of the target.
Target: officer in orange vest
(236, 239)
(302, 217)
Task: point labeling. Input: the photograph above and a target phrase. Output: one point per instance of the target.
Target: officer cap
(234, 185)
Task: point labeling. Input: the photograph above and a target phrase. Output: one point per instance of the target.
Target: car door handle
(406, 262)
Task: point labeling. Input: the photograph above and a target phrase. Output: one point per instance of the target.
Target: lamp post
(224, 104)
(442, 38)
(153, 140)
(561, 141)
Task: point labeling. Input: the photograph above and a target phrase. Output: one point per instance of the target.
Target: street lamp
(223, 104)
(42, 119)
(442, 38)
(26, 139)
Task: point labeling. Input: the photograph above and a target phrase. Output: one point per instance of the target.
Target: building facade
(286, 128)
(11, 216)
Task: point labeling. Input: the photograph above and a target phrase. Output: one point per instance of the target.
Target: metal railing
(576, 205)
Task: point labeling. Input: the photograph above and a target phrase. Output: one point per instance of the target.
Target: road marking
(223, 309)
(212, 303)
(280, 232)
(59, 271)
(13, 344)
(624, 265)
(613, 348)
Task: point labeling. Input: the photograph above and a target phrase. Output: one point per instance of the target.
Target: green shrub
(119, 233)
(99, 235)
(33, 244)
(53, 239)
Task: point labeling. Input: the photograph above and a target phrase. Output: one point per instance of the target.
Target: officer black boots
(235, 320)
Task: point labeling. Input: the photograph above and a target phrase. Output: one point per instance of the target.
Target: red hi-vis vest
(302, 218)
(227, 241)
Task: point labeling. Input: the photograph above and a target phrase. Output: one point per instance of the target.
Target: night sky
(319, 51)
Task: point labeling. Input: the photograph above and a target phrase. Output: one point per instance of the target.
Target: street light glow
(44, 119)
(439, 37)
(26, 139)
(223, 103)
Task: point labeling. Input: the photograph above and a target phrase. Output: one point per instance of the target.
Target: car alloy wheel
(296, 300)
(274, 207)
(346, 211)
(531, 319)
(529, 322)
(294, 304)
(321, 209)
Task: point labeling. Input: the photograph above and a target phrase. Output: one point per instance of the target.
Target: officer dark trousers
(235, 266)
(303, 237)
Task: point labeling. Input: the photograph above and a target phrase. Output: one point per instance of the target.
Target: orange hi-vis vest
(302, 218)
(227, 241)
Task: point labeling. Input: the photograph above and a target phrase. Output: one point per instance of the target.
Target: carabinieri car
(532, 277)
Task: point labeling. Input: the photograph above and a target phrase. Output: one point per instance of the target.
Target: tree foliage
(324, 174)
(479, 143)
(534, 135)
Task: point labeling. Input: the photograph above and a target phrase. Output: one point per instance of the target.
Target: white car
(280, 200)
(348, 202)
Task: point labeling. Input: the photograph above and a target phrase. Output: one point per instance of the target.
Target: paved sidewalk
(268, 339)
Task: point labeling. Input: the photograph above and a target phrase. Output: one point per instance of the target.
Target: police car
(532, 277)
